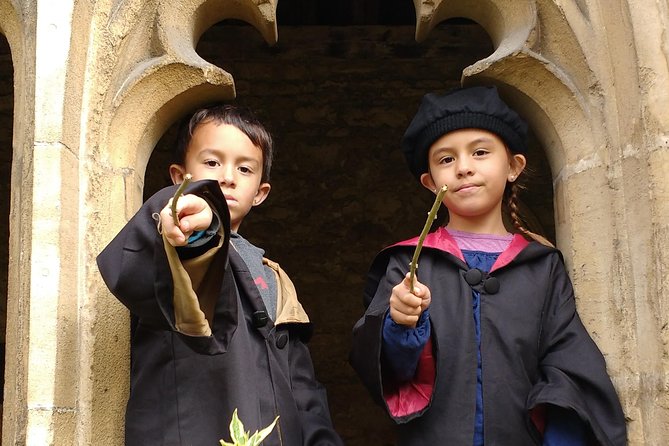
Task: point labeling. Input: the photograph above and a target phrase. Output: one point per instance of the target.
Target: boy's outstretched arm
(194, 214)
(134, 264)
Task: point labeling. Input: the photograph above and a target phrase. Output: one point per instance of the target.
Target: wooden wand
(413, 266)
(177, 194)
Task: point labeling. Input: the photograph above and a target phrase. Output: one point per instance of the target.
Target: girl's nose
(464, 168)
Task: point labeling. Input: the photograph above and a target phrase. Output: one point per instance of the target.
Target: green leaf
(258, 437)
(241, 438)
(237, 433)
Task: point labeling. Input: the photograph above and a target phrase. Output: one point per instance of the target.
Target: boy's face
(224, 153)
(475, 165)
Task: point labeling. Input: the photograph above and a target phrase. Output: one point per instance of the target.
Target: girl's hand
(194, 215)
(405, 306)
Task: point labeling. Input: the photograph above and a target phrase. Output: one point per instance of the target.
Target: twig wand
(177, 194)
(428, 224)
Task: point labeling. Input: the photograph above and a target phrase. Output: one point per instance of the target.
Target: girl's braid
(512, 202)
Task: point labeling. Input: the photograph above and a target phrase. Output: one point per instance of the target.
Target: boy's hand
(406, 307)
(194, 215)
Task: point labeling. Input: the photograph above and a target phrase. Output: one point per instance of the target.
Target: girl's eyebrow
(437, 152)
(479, 140)
(482, 139)
(440, 150)
(444, 148)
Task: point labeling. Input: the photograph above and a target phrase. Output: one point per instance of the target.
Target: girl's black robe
(535, 350)
(184, 389)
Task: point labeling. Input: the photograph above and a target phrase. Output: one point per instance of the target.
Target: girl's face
(475, 165)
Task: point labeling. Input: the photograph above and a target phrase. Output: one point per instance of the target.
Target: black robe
(184, 388)
(535, 350)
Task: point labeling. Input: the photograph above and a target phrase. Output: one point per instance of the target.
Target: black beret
(463, 108)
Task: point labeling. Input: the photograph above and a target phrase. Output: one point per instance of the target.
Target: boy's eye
(480, 152)
(446, 160)
(245, 169)
(212, 163)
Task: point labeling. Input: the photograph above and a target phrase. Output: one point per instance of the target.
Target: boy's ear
(263, 192)
(177, 173)
(427, 182)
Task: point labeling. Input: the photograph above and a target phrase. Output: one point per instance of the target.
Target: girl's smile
(467, 188)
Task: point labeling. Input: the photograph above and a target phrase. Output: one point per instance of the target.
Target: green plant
(241, 438)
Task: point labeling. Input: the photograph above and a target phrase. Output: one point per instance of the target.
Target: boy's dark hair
(240, 117)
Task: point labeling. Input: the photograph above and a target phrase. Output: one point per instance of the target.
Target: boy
(216, 327)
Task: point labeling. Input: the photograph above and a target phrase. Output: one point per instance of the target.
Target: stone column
(40, 405)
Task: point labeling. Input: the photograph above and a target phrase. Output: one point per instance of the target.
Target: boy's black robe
(184, 388)
(534, 348)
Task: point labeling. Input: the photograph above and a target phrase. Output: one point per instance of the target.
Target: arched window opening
(337, 95)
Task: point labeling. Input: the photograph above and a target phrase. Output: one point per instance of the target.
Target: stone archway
(337, 100)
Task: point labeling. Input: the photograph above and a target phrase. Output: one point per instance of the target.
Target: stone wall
(97, 84)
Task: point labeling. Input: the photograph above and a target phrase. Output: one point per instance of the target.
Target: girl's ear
(427, 182)
(177, 173)
(517, 165)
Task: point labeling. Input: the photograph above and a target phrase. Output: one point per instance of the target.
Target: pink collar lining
(442, 240)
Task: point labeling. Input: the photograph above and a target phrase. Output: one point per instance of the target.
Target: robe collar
(442, 240)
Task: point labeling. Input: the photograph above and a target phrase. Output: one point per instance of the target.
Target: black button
(260, 319)
(491, 285)
(474, 276)
(282, 340)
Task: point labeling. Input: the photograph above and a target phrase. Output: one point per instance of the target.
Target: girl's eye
(446, 160)
(480, 152)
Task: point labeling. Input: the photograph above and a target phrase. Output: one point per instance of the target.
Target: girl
(489, 348)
